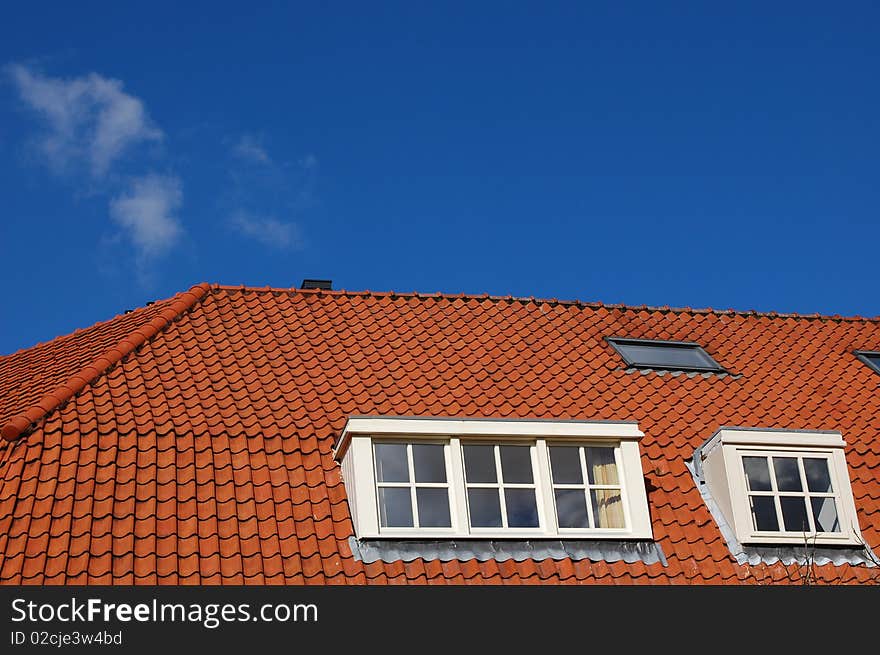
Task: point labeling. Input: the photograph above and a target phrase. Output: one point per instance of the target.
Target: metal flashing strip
(393, 550)
(787, 554)
(679, 372)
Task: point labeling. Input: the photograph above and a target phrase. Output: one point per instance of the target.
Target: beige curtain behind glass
(607, 503)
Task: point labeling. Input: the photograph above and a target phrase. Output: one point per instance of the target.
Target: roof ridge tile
(591, 304)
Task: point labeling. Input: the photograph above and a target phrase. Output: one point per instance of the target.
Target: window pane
(433, 508)
(825, 515)
(391, 463)
(757, 474)
(522, 510)
(516, 464)
(818, 477)
(571, 508)
(607, 508)
(600, 466)
(429, 462)
(485, 508)
(479, 463)
(794, 513)
(788, 478)
(395, 508)
(763, 509)
(565, 463)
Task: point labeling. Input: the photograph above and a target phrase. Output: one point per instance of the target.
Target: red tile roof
(190, 442)
(27, 375)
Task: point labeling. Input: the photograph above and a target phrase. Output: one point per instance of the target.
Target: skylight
(870, 358)
(666, 355)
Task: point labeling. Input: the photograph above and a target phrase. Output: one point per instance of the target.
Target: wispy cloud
(267, 230)
(262, 188)
(92, 127)
(250, 148)
(147, 212)
(87, 119)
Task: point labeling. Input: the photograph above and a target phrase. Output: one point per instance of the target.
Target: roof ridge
(27, 420)
(552, 301)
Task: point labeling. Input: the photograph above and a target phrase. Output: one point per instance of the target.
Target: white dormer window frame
(505, 478)
(777, 487)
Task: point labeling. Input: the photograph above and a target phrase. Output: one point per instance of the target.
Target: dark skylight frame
(665, 355)
(869, 357)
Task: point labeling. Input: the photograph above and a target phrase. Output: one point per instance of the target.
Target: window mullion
(807, 501)
(772, 469)
(582, 455)
(777, 502)
(412, 485)
(461, 518)
(544, 489)
(621, 487)
(498, 474)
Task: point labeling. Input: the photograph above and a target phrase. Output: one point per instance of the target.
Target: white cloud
(147, 213)
(89, 119)
(250, 148)
(267, 230)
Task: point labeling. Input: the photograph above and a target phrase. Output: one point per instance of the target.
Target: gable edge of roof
(24, 422)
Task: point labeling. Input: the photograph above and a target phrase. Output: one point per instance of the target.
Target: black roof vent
(326, 285)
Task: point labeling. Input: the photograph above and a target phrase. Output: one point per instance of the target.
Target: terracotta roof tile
(190, 442)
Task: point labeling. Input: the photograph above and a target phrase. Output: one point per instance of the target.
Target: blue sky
(683, 154)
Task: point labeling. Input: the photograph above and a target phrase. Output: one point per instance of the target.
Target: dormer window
(665, 355)
(423, 477)
(778, 486)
